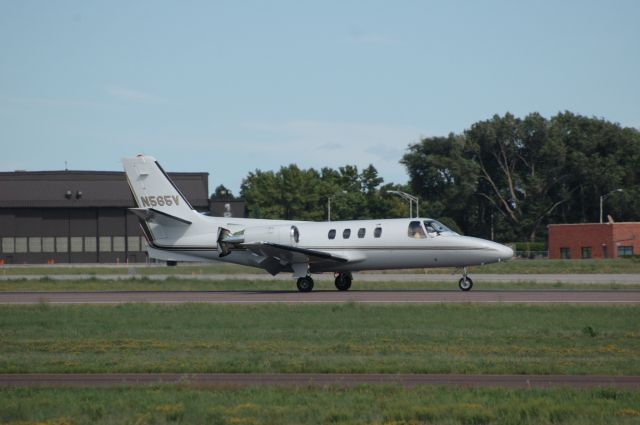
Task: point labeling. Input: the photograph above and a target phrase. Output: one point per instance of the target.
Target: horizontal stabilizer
(154, 216)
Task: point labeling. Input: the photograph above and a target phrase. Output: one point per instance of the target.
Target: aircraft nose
(504, 252)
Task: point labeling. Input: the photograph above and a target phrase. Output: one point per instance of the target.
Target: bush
(531, 246)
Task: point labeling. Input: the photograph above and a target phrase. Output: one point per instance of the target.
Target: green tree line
(504, 178)
(292, 193)
(516, 175)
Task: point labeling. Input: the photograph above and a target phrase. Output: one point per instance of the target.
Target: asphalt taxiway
(617, 278)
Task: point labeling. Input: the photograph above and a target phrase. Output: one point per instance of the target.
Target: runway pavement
(624, 278)
(326, 296)
(314, 379)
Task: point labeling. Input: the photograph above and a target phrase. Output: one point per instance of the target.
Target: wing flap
(290, 254)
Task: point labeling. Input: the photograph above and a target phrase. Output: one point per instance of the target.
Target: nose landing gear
(465, 283)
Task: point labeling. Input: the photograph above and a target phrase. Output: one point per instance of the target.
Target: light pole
(411, 200)
(605, 196)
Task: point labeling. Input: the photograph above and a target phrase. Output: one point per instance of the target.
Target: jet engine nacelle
(281, 234)
(284, 234)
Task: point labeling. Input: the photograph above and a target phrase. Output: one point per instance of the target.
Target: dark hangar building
(77, 216)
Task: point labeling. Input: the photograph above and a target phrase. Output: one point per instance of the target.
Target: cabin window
(332, 234)
(361, 232)
(377, 232)
(436, 228)
(346, 233)
(415, 230)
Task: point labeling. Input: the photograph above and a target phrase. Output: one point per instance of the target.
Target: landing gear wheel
(465, 283)
(305, 284)
(343, 281)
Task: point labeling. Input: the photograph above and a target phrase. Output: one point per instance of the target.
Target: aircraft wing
(276, 256)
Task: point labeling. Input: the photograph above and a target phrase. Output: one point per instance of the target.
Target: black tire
(343, 281)
(465, 284)
(305, 284)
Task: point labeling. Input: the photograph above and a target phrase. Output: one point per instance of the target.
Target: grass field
(321, 338)
(618, 265)
(179, 284)
(361, 405)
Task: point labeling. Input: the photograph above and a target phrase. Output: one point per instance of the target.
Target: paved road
(323, 297)
(628, 278)
(315, 379)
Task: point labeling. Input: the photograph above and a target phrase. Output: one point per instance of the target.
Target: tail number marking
(159, 201)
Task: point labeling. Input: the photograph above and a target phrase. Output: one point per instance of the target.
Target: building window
(8, 246)
(377, 232)
(133, 243)
(346, 233)
(76, 244)
(361, 232)
(21, 245)
(62, 244)
(48, 244)
(625, 250)
(605, 251)
(90, 244)
(35, 244)
(332, 234)
(586, 252)
(565, 253)
(105, 243)
(118, 244)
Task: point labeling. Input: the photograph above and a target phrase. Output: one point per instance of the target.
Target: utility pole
(411, 200)
(603, 197)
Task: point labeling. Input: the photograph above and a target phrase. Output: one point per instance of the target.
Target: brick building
(593, 240)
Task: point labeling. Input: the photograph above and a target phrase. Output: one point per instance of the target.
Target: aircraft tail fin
(153, 189)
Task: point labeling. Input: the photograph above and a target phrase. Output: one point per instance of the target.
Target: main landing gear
(305, 284)
(343, 281)
(465, 283)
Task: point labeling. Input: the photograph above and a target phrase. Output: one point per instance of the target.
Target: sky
(228, 87)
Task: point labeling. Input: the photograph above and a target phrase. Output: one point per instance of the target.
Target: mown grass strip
(321, 338)
(360, 405)
(173, 284)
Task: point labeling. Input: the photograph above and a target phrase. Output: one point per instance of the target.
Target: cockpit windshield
(435, 228)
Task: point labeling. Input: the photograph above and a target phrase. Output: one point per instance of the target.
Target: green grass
(360, 405)
(618, 265)
(321, 338)
(178, 284)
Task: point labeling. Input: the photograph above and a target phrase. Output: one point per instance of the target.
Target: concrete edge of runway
(241, 380)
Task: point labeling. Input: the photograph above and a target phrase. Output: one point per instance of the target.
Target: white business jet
(177, 232)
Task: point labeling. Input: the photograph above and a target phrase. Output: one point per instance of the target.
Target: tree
(517, 175)
(222, 193)
(295, 194)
